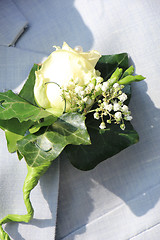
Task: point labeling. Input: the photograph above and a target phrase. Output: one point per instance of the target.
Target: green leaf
(14, 131)
(46, 122)
(20, 156)
(13, 106)
(46, 144)
(107, 64)
(12, 139)
(13, 125)
(27, 92)
(104, 144)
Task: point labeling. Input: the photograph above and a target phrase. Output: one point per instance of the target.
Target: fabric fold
(15, 65)
(12, 23)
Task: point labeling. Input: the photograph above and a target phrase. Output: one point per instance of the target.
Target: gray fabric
(53, 22)
(15, 65)
(119, 199)
(12, 23)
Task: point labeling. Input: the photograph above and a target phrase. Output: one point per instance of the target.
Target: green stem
(30, 182)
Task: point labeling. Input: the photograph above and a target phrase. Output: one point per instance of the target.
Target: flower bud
(129, 79)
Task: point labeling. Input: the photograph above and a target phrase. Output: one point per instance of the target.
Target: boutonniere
(75, 102)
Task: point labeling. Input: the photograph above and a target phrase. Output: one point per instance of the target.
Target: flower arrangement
(75, 102)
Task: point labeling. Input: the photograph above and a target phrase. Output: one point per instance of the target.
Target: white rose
(62, 66)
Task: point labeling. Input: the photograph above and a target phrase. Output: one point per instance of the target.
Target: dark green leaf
(46, 122)
(107, 64)
(27, 91)
(48, 142)
(13, 125)
(104, 144)
(49, 136)
(13, 106)
(20, 156)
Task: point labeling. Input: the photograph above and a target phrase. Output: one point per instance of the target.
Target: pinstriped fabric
(12, 23)
(15, 65)
(120, 199)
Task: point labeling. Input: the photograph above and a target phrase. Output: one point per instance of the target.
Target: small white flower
(81, 93)
(118, 116)
(123, 97)
(66, 95)
(116, 106)
(85, 99)
(78, 89)
(98, 87)
(89, 101)
(116, 85)
(105, 86)
(96, 115)
(91, 86)
(128, 118)
(99, 79)
(108, 107)
(124, 108)
(102, 125)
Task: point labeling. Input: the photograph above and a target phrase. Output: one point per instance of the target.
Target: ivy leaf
(49, 137)
(46, 122)
(20, 156)
(46, 144)
(27, 92)
(12, 139)
(14, 131)
(107, 64)
(13, 106)
(13, 125)
(104, 144)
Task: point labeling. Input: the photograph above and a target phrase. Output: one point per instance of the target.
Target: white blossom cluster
(109, 100)
(81, 98)
(111, 107)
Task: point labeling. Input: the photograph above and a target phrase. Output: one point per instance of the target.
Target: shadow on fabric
(130, 178)
(52, 23)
